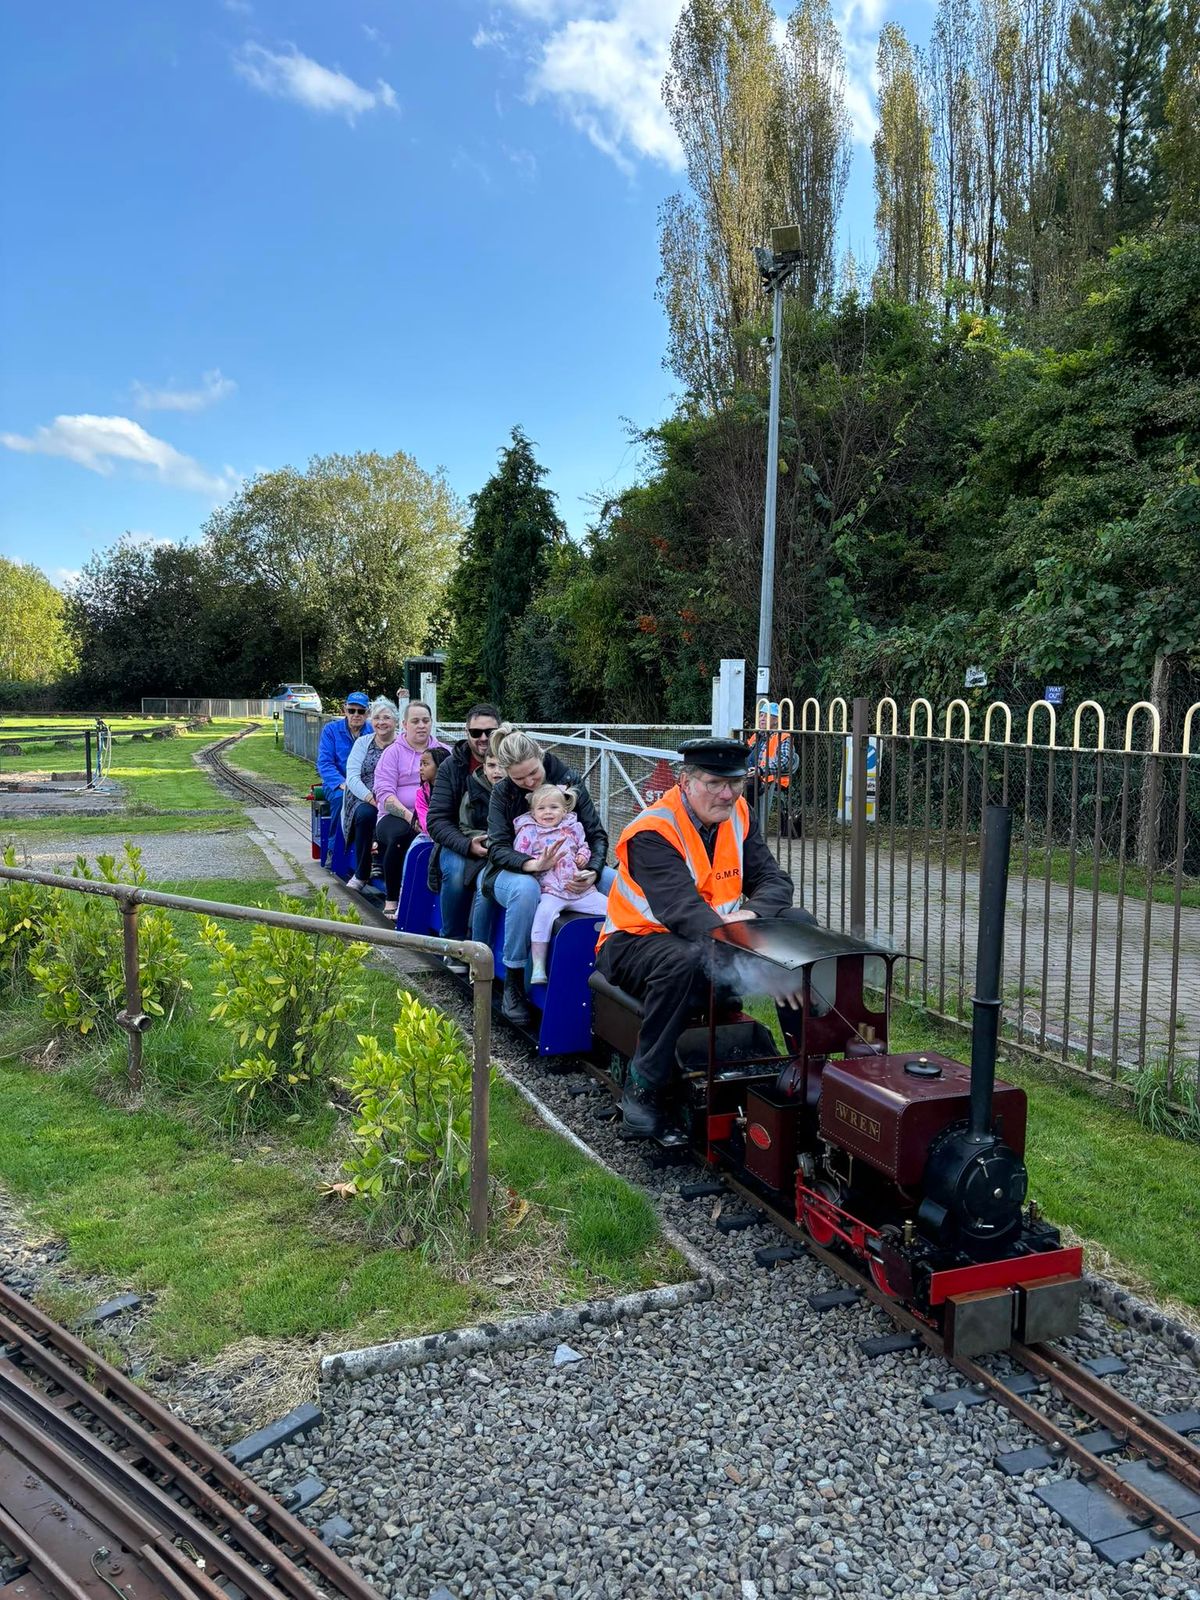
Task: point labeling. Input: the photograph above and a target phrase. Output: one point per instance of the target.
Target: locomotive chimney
(985, 1024)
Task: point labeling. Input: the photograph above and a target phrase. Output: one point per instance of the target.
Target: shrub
(287, 998)
(78, 964)
(25, 910)
(412, 1125)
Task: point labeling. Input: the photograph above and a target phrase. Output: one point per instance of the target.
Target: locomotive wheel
(817, 1221)
(880, 1278)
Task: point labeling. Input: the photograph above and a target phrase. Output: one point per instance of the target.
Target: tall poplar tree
(813, 140)
(906, 223)
(952, 101)
(1181, 92)
(721, 92)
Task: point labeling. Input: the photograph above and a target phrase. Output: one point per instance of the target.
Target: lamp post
(776, 266)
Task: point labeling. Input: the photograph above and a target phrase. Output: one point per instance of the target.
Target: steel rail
(1143, 1431)
(41, 1563)
(214, 758)
(62, 1452)
(148, 1413)
(1085, 1390)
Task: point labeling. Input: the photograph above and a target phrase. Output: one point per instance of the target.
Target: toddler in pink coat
(550, 832)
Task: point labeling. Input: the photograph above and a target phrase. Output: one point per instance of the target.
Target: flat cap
(724, 758)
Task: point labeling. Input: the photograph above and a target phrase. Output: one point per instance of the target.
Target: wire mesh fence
(182, 706)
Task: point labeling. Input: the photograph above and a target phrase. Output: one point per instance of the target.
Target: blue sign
(1053, 695)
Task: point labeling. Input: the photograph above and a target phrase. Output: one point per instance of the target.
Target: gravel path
(167, 857)
(740, 1448)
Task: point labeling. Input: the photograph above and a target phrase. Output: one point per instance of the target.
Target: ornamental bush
(25, 910)
(286, 997)
(77, 964)
(411, 1126)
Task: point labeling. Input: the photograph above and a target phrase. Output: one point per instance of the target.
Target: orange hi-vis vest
(767, 764)
(718, 882)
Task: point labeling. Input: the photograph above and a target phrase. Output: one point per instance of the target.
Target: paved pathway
(1053, 981)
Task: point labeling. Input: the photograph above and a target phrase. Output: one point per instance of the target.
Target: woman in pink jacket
(397, 778)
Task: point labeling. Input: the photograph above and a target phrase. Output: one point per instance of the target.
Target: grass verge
(233, 1236)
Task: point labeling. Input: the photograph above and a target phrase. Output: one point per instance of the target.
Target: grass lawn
(233, 1236)
(1093, 1168)
(164, 790)
(259, 754)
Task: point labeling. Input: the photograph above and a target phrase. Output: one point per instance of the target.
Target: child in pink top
(431, 760)
(548, 826)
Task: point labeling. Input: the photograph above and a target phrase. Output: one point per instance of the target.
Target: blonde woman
(511, 877)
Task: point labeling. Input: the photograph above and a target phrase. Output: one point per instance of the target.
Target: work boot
(512, 1007)
(641, 1111)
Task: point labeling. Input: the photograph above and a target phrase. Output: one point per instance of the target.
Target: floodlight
(785, 241)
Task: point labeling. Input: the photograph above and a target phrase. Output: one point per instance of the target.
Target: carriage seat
(616, 1015)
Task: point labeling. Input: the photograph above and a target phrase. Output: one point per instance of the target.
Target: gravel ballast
(738, 1447)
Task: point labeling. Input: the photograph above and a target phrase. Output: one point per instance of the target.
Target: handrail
(134, 1021)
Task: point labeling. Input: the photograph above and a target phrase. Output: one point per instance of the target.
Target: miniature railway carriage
(911, 1165)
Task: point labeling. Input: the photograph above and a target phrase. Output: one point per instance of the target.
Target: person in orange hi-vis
(686, 865)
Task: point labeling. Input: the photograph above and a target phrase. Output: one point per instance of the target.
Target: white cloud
(293, 76)
(859, 22)
(212, 387)
(64, 577)
(98, 442)
(606, 72)
(603, 62)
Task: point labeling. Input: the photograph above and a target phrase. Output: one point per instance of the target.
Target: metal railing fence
(879, 819)
(200, 706)
(136, 1022)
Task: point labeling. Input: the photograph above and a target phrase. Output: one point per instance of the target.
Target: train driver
(691, 862)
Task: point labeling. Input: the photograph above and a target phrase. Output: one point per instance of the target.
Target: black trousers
(671, 977)
(362, 836)
(393, 835)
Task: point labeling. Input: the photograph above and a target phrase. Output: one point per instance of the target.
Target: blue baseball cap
(358, 698)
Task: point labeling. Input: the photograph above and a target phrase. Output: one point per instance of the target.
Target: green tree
(1180, 151)
(513, 528)
(36, 643)
(906, 220)
(356, 552)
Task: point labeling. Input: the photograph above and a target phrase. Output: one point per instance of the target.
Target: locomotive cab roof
(796, 945)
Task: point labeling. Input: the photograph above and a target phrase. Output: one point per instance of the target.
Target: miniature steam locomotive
(910, 1164)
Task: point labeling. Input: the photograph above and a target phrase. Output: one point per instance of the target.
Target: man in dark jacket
(459, 857)
(689, 864)
(510, 877)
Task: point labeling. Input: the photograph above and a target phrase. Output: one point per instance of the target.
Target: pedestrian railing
(135, 1022)
(878, 822)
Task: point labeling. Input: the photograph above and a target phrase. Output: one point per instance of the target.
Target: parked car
(294, 697)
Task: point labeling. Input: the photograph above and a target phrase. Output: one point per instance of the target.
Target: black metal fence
(876, 813)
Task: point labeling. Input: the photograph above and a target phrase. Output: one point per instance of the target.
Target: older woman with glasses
(359, 810)
(396, 780)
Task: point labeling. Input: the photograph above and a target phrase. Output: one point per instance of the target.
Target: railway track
(258, 794)
(1172, 1459)
(103, 1490)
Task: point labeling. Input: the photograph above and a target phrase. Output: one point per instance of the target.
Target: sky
(235, 234)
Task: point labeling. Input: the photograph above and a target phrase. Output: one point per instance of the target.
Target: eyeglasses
(480, 733)
(356, 711)
(715, 785)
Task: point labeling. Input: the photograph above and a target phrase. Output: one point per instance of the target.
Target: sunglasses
(355, 711)
(480, 733)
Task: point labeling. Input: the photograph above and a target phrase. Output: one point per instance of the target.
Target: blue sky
(238, 233)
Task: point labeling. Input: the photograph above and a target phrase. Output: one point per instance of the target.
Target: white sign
(846, 792)
(763, 685)
(976, 678)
